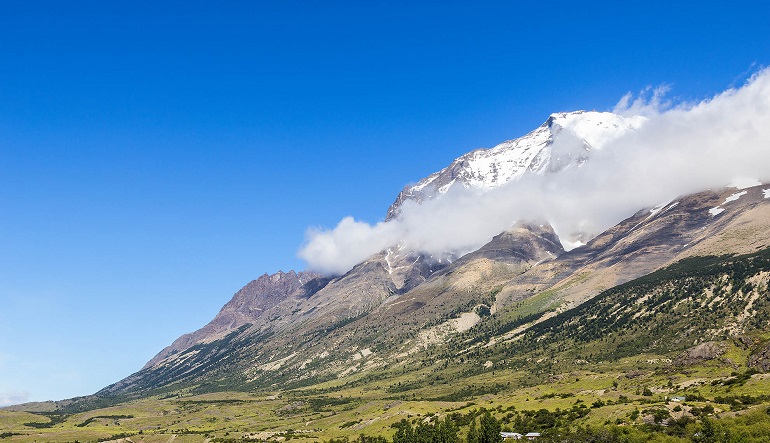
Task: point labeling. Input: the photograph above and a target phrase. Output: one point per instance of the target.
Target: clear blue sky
(156, 156)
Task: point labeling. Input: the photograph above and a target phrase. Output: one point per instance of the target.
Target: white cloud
(338, 250)
(680, 150)
(13, 398)
(651, 101)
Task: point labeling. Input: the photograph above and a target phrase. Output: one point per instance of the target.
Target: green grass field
(608, 394)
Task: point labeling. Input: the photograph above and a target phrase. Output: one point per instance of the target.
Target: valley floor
(639, 397)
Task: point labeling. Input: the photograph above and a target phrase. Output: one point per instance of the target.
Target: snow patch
(766, 192)
(568, 245)
(735, 196)
(387, 261)
(445, 188)
(719, 209)
(661, 207)
(657, 209)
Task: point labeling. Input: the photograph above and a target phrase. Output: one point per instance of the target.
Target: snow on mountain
(580, 172)
(565, 139)
(744, 182)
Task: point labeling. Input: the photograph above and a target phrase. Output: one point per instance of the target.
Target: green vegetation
(693, 301)
(96, 417)
(53, 420)
(435, 431)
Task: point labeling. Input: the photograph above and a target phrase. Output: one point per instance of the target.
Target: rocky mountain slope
(690, 306)
(326, 329)
(247, 306)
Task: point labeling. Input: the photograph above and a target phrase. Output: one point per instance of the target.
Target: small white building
(532, 435)
(511, 435)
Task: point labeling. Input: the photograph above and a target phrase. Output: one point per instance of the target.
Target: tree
(446, 431)
(490, 429)
(712, 432)
(371, 439)
(404, 433)
(424, 432)
(473, 433)
(440, 431)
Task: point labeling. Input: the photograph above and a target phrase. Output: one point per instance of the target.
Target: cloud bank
(681, 149)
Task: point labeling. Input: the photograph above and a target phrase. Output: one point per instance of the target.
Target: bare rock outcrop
(760, 359)
(700, 353)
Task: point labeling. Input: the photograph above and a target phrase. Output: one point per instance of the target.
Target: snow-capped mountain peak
(595, 128)
(566, 138)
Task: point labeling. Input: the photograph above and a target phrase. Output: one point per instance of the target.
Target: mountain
(325, 329)
(670, 303)
(297, 329)
(564, 140)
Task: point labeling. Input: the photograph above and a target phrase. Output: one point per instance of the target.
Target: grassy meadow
(632, 396)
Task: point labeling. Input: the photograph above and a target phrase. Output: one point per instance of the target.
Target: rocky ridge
(247, 306)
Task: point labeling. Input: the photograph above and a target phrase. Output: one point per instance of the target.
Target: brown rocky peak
(246, 306)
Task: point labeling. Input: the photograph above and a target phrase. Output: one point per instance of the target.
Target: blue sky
(157, 156)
